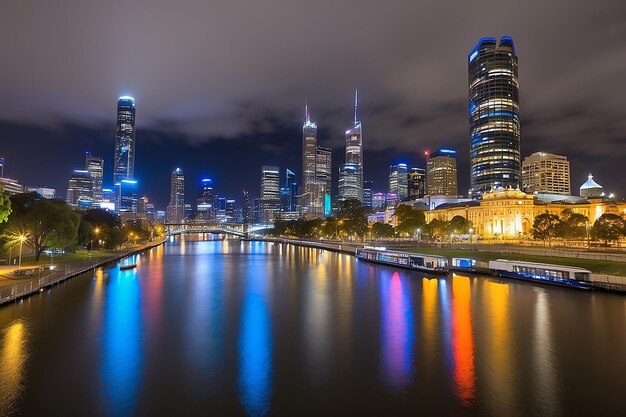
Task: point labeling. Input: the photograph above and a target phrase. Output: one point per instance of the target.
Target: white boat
(568, 276)
(433, 264)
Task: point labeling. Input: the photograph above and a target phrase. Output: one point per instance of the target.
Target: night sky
(220, 85)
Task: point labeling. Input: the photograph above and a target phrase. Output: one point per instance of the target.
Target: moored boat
(563, 275)
(433, 264)
(127, 266)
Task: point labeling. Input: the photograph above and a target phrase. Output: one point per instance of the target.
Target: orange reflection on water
(463, 339)
(13, 355)
(429, 316)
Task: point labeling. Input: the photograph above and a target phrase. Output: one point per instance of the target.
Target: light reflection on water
(212, 327)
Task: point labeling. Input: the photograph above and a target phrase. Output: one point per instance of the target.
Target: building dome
(591, 189)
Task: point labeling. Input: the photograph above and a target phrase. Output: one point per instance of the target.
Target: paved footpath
(15, 288)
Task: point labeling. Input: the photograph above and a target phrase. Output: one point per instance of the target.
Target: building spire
(356, 101)
(307, 116)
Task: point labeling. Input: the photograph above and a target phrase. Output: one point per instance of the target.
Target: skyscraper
(368, 194)
(207, 202)
(95, 166)
(398, 181)
(417, 183)
(288, 192)
(128, 197)
(354, 151)
(441, 173)
(175, 212)
(80, 189)
(246, 209)
(270, 193)
(494, 116)
(124, 159)
(546, 173)
(349, 187)
(309, 154)
(323, 179)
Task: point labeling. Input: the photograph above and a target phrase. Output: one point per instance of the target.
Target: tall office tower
(546, 173)
(398, 181)
(124, 158)
(309, 154)
(368, 194)
(128, 196)
(323, 180)
(175, 211)
(80, 189)
(246, 209)
(354, 150)
(441, 173)
(95, 166)
(349, 186)
(417, 183)
(207, 202)
(494, 116)
(270, 193)
(288, 192)
(231, 211)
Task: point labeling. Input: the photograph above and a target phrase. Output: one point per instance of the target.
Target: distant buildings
(175, 211)
(354, 159)
(9, 185)
(270, 193)
(494, 116)
(95, 166)
(417, 183)
(398, 181)
(441, 174)
(546, 173)
(80, 189)
(45, 192)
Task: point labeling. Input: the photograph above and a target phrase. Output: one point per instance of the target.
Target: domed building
(591, 189)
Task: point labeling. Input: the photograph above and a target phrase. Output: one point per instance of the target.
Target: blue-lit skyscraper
(124, 157)
(127, 192)
(494, 116)
(288, 192)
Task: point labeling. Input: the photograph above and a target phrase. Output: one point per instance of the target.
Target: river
(227, 327)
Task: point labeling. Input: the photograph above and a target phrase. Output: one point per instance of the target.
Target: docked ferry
(567, 276)
(434, 264)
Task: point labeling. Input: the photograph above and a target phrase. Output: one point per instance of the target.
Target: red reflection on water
(463, 340)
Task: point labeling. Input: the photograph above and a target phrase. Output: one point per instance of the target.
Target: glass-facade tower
(124, 158)
(309, 155)
(354, 151)
(494, 116)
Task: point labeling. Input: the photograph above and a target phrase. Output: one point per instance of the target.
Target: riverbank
(12, 289)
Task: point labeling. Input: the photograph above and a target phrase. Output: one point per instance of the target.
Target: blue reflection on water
(122, 355)
(255, 346)
(397, 330)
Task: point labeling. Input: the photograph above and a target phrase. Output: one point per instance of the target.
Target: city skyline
(409, 107)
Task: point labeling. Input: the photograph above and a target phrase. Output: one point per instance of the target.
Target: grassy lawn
(597, 266)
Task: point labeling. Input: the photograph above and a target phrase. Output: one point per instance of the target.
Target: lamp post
(471, 233)
(22, 238)
(96, 231)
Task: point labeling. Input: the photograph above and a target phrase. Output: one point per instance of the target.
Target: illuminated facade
(175, 211)
(416, 183)
(80, 189)
(441, 174)
(323, 179)
(494, 116)
(546, 173)
(510, 213)
(591, 189)
(270, 193)
(288, 192)
(354, 155)
(398, 181)
(207, 202)
(95, 166)
(124, 161)
(309, 156)
(349, 183)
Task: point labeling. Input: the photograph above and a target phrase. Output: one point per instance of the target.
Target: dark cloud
(231, 75)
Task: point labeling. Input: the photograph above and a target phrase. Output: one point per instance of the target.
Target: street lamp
(96, 231)
(471, 232)
(21, 238)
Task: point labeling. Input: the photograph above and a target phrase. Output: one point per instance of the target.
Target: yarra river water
(211, 327)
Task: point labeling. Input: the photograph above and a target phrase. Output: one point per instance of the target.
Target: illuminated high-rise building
(417, 183)
(80, 189)
(175, 212)
(270, 193)
(368, 194)
(246, 209)
(207, 202)
(398, 181)
(127, 190)
(349, 186)
(441, 174)
(124, 157)
(494, 123)
(309, 155)
(288, 192)
(546, 173)
(354, 153)
(323, 179)
(95, 166)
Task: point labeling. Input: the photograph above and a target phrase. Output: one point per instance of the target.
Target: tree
(353, 218)
(459, 225)
(382, 230)
(408, 219)
(573, 225)
(48, 223)
(436, 228)
(5, 205)
(546, 227)
(609, 227)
